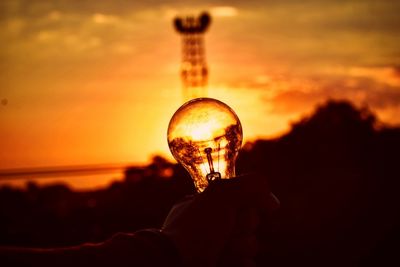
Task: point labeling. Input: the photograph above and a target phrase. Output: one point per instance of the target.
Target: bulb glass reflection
(205, 135)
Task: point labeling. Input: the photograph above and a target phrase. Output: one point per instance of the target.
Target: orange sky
(89, 82)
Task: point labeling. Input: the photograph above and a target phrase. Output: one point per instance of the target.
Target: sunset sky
(92, 82)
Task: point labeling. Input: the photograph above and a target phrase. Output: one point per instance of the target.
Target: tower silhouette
(194, 71)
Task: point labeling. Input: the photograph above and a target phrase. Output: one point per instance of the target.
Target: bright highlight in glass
(205, 135)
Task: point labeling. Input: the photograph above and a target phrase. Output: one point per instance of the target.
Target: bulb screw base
(213, 176)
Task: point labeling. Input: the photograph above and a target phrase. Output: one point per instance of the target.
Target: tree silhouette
(335, 172)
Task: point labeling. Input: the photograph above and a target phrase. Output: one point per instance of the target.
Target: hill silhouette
(336, 174)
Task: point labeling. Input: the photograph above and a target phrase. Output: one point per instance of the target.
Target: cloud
(224, 11)
(15, 26)
(363, 86)
(386, 75)
(294, 101)
(100, 18)
(54, 15)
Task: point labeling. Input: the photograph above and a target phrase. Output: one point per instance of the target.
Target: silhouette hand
(218, 226)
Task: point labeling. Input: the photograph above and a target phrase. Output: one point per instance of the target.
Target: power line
(64, 171)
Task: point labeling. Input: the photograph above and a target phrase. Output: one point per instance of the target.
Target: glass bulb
(205, 135)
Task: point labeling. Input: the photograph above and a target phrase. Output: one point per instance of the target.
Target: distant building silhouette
(194, 71)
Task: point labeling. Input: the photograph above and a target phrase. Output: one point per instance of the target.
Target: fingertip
(244, 246)
(249, 190)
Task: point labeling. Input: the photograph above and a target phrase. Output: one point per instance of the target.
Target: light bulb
(205, 135)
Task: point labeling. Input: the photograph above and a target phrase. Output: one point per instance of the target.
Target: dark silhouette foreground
(215, 227)
(336, 174)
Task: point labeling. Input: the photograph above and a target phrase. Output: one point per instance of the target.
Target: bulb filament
(213, 175)
(210, 162)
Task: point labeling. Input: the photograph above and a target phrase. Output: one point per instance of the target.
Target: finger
(245, 191)
(243, 245)
(178, 209)
(247, 221)
(241, 188)
(240, 251)
(247, 246)
(257, 191)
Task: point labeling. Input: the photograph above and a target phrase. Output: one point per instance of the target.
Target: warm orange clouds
(97, 82)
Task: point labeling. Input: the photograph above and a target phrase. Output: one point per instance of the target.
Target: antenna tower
(194, 71)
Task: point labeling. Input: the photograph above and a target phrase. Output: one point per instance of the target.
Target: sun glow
(87, 84)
